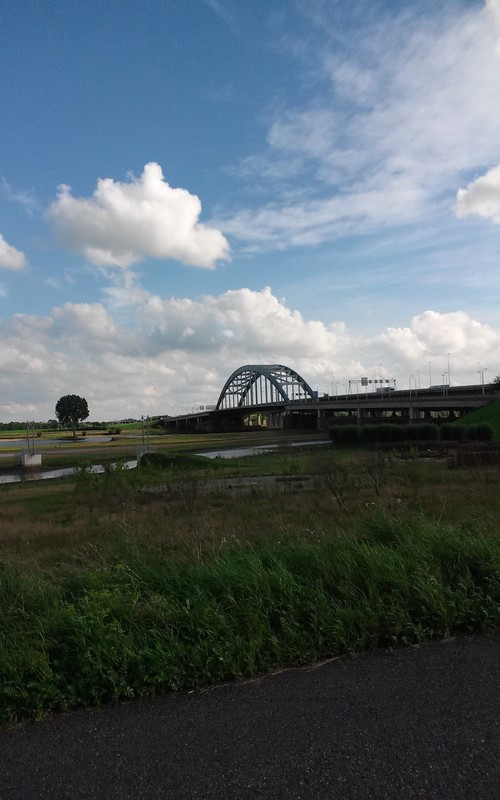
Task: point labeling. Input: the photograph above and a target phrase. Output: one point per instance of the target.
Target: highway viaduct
(275, 396)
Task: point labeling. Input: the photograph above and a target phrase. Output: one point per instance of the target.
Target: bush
(388, 432)
(369, 433)
(428, 431)
(346, 435)
(482, 432)
(157, 460)
(451, 432)
(412, 432)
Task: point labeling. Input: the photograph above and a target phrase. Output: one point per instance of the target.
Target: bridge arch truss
(263, 384)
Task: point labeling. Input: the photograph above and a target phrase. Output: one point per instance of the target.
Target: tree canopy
(70, 410)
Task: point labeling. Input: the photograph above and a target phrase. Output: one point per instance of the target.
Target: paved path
(419, 723)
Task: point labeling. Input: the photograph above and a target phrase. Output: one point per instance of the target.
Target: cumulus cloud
(10, 257)
(431, 336)
(126, 222)
(175, 352)
(481, 197)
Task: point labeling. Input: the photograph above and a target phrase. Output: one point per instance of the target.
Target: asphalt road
(418, 723)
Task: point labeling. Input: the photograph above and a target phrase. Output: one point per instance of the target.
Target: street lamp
(430, 373)
(481, 372)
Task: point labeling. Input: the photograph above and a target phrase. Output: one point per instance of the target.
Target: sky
(188, 186)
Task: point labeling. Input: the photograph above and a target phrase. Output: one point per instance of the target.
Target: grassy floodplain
(132, 582)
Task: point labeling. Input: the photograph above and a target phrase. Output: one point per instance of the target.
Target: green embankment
(489, 413)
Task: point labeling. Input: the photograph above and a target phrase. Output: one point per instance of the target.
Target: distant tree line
(54, 425)
(49, 425)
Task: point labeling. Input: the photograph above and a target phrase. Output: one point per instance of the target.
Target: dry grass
(43, 525)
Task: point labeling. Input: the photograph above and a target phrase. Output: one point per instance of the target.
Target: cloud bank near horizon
(177, 352)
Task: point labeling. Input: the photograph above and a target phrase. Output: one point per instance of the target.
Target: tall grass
(141, 621)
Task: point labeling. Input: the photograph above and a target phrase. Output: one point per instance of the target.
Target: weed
(138, 621)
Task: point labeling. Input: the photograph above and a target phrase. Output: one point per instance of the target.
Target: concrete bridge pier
(275, 420)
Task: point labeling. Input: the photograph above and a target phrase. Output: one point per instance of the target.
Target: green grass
(489, 413)
(117, 585)
(143, 621)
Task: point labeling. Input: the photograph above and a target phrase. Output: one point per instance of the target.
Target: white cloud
(124, 223)
(27, 199)
(413, 106)
(431, 336)
(10, 258)
(481, 197)
(173, 353)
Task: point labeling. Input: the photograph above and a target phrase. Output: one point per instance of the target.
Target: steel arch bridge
(263, 384)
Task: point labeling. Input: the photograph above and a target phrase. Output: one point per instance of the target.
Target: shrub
(482, 432)
(157, 460)
(369, 433)
(388, 432)
(347, 435)
(412, 432)
(451, 432)
(428, 431)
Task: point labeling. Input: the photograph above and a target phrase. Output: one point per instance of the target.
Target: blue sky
(188, 186)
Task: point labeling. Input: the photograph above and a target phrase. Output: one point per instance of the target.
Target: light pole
(481, 372)
(430, 373)
(449, 373)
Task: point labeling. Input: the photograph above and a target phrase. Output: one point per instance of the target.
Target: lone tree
(70, 410)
